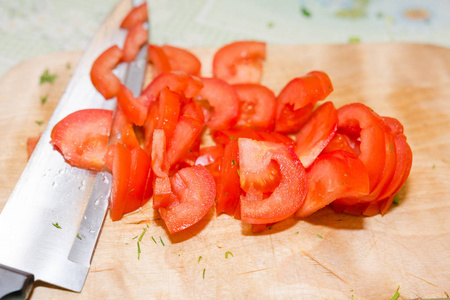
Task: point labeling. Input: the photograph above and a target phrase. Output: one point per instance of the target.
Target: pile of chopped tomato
(274, 156)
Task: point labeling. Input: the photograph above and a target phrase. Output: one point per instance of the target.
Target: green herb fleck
(47, 77)
(190, 150)
(161, 241)
(130, 191)
(142, 234)
(79, 237)
(239, 173)
(396, 295)
(446, 295)
(396, 199)
(342, 182)
(270, 227)
(56, 225)
(270, 24)
(226, 194)
(204, 270)
(148, 226)
(305, 12)
(297, 233)
(232, 138)
(228, 253)
(233, 162)
(434, 166)
(39, 122)
(200, 258)
(135, 237)
(380, 15)
(68, 66)
(319, 236)
(139, 250)
(154, 240)
(354, 40)
(44, 99)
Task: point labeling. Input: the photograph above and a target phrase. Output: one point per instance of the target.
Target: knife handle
(15, 284)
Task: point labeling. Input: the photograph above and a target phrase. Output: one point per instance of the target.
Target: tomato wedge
(257, 106)
(210, 157)
(137, 37)
(121, 177)
(289, 120)
(240, 62)
(159, 60)
(135, 109)
(169, 111)
(182, 60)
(102, 76)
(334, 175)
(194, 189)
(136, 15)
(82, 138)
(254, 158)
(122, 131)
(315, 135)
(224, 103)
(161, 187)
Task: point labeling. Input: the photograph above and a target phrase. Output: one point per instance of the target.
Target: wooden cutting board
(355, 257)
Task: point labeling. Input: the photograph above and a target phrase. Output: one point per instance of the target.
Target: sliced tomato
(182, 60)
(31, 144)
(82, 138)
(102, 76)
(135, 16)
(137, 37)
(228, 188)
(195, 190)
(185, 134)
(240, 62)
(159, 60)
(275, 137)
(210, 157)
(257, 104)
(339, 142)
(150, 125)
(332, 176)
(140, 168)
(289, 120)
(122, 131)
(135, 109)
(121, 177)
(223, 103)
(315, 135)
(161, 187)
(193, 110)
(224, 137)
(169, 111)
(257, 156)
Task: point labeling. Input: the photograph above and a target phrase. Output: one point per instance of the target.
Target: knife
(52, 221)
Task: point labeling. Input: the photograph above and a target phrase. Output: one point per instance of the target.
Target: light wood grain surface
(359, 257)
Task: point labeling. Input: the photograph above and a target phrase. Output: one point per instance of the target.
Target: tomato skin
(195, 190)
(169, 111)
(82, 138)
(286, 199)
(289, 120)
(224, 101)
(159, 59)
(228, 188)
(339, 142)
(210, 157)
(136, 15)
(316, 133)
(334, 175)
(121, 176)
(137, 37)
(182, 60)
(240, 62)
(160, 166)
(102, 76)
(122, 131)
(257, 104)
(224, 137)
(135, 109)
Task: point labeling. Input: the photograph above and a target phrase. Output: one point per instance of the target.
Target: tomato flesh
(137, 37)
(182, 60)
(136, 15)
(121, 176)
(102, 76)
(135, 109)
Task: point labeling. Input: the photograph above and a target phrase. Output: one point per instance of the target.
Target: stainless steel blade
(39, 224)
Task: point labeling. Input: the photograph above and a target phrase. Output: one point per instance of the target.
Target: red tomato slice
(333, 175)
(182, 60)
(161, 187)
(193, 110)
(137, 37)
(135, 109)
(228, 188)
(31, 144)
(121, 177)
(186, 132)
(122, 131)
(315, 135)
(82, 138)
(224, 103)
(240, 62)
(257, 106)
(102, 76)
(169, 110)
(254, 158)
(150, 125)
(275, 137)
(289, 120)
(195, 191)
(140, 168)
(210, 157)
(159, 60)
(224, 137)
(135, 16)
(339, 142)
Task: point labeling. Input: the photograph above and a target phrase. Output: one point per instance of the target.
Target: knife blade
(52, 221)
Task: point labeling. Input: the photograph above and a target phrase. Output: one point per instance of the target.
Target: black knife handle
(15, 284)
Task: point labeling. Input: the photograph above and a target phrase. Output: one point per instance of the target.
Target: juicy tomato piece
(224, 137)
(254, 158)
(136, 15)
(150, 125)
(169, 111)
(240, 62)
(31, 144)
(289, 120)
(228, 188)
(332, 176)
(135, 109)
(159, 60)
(223, 102)
(137, 37)
(161, 186)
(122, 131)
(82, 138)
(339, 142)
(210, 157)
(102, 76)
(182, 60)
(315, 135)
(185, 134)
(193, 110)
(360, 123)
(195, 190)
(275, 137)
(257, 106)
(139, 171)
(121, 177)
